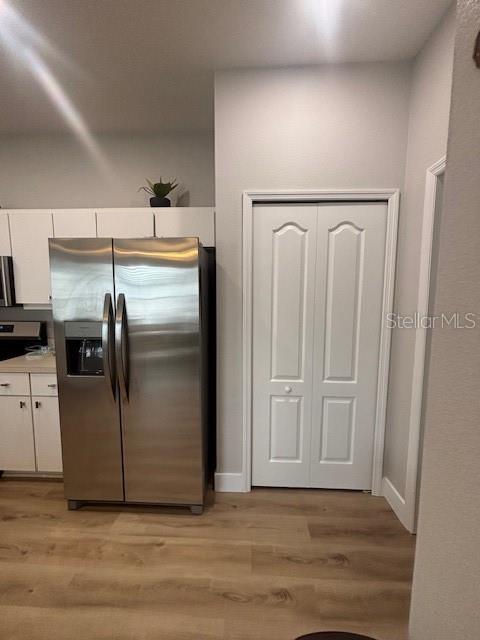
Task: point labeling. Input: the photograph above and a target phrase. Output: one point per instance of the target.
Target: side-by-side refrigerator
(131, 332)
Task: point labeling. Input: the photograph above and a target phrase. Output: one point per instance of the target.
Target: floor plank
(334, 561)
(269, 564)
(20, 623)
(371, 530)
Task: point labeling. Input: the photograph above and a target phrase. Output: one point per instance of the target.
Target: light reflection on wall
(326, 16)
(28, 47)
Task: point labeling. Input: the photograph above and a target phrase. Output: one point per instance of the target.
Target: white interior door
(348, 317)
(317, 300)
(283, 293)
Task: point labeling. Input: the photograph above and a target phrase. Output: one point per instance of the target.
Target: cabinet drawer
(44, 384)
(14, 384)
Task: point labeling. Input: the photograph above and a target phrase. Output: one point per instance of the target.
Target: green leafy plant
(160, 189)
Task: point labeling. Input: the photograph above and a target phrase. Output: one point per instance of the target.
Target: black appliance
(7, 290)
(15, 337)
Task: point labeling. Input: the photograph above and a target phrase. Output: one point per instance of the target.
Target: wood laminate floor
(269, 565)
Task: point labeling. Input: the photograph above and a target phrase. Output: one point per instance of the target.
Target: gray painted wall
(446, 594)
(427, 143)
(53, 170)
(338, 126)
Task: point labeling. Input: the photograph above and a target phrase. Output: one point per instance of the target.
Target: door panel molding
(333, 409)
(283, 322)
(336, 323)
(285, 444)
(250, 198)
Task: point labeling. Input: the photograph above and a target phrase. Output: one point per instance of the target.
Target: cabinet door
(46, 423)
(5, 248)
(30, 231)
(17, 451)
(74, 223)
(195, 222)
(125, 223)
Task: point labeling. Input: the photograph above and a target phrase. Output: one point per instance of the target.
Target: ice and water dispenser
(83, 343)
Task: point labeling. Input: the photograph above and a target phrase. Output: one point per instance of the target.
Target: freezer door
(158, 362)
(83, 314)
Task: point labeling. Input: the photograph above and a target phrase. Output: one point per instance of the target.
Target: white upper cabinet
(5, 248)
(74, 223)
(29, 231)
(125, 223)
(186, 221)
(24, 235)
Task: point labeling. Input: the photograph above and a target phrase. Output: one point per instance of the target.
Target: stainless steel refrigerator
(131, 337)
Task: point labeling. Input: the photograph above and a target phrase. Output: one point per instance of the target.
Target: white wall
(427, 143)
(446, 594)
(54, 170)
(319, 127)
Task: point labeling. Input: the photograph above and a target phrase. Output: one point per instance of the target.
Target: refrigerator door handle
(107, 353)
(121, 346)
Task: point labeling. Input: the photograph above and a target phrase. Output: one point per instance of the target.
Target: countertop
(22, 364)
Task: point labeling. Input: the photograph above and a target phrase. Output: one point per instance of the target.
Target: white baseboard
(395, 500)
(229, 482)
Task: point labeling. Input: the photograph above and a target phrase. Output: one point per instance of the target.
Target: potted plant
(159, 192)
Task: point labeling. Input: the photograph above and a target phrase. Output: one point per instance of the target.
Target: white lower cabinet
(46, 425)
(17, 451)
(29, 425)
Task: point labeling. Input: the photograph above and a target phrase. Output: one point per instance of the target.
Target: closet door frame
(391, 197)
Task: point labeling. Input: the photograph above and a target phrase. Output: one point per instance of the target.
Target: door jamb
(251, 197)
(433, 174)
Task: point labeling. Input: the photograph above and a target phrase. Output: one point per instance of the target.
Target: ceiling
(148, 65)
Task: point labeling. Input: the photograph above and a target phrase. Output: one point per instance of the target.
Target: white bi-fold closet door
(318, 273)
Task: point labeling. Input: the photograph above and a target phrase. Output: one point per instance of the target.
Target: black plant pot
(159, 202)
